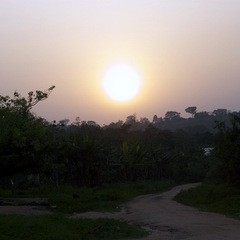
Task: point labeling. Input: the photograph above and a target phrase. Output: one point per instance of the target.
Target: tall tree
(191, 110)
(24, 138)
(144, 122)
(202, 115)
(220, 112)
(172, 115)
(227, 151)
(155, 119)
(131, 120)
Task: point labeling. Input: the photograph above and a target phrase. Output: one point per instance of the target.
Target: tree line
(86, 154)
(199, 122)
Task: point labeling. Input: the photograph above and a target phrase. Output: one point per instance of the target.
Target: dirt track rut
(166, 219)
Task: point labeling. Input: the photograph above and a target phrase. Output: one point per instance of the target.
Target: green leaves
(125, 148)
(23, 137)
(19, 103)
(227, 151)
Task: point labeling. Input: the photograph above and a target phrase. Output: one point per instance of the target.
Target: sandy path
(166, 219)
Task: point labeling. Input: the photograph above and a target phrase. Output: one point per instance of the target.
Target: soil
(24, 206)
(162, 217)
(166, 219)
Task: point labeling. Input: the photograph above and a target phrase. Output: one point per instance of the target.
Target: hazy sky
(186, 51)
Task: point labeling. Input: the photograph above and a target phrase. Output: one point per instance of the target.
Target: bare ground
(24, 206)
(166, 219)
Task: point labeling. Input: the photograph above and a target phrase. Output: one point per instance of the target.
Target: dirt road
(166, 219)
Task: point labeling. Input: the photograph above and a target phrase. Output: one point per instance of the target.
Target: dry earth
(24, 206)
(164, 218)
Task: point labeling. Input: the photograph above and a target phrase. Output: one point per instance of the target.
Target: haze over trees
(191, 110)
(85, 154)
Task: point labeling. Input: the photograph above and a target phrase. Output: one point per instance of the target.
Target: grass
(58, 227)
(215, 198)
(105, 198)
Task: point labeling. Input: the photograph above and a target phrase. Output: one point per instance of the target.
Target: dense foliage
(24, 138)
(220, 198)
(227, 152)
(85, 154)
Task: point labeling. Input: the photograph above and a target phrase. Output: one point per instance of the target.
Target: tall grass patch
(222, 199)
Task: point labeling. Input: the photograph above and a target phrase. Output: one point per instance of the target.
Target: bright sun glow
(121, 83)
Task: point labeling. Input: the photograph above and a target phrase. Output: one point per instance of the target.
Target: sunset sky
(187, 53)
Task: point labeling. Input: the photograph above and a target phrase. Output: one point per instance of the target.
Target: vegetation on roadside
(68, 199)
(107, 198)
(58, 227)
(85, 154)
(221, 190)
(82, 166)
(220, 198)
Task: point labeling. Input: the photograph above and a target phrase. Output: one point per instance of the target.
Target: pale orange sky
(187, 52)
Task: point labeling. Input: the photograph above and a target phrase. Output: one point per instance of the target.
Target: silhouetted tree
(201, 115)
(144, 122)
(63, 122)
(117, 124)
(92, 123)
(172, 115)
(131, 120)
(191, 110)
(24, 138)
(155, 119)
(220, 112)
(227, 151)
(77, 122)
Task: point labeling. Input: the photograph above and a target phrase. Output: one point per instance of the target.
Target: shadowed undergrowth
(215, 198)
(58, 227)
(106, 198)
(68, 199)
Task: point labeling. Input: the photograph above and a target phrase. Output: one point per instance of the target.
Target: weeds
(222, 199)
(58, 227)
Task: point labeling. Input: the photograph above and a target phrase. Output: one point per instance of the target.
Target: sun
(121, 83)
